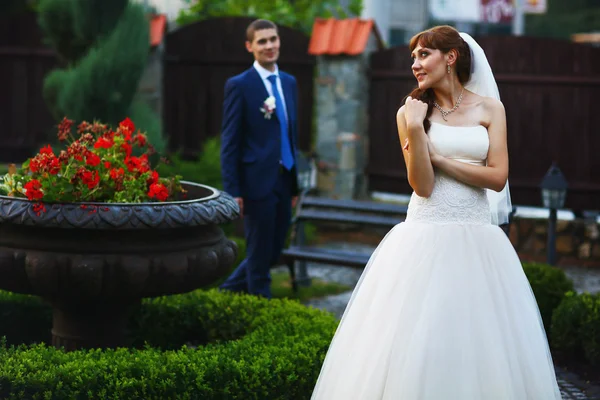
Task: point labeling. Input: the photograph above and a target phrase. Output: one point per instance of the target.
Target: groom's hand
(240, 202)
(294, 201)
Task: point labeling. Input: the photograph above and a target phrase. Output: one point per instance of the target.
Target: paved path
(572, 388)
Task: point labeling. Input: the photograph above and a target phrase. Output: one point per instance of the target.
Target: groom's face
(264, 46)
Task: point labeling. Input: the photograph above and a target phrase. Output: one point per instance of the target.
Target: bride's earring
(448, 68)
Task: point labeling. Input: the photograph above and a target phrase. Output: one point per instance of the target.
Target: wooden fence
(25, 121)
(198, 60)
(549, 89)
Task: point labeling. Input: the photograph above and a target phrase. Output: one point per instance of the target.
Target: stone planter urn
(93, 261)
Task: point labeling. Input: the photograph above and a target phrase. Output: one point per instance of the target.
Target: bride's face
(429, 66)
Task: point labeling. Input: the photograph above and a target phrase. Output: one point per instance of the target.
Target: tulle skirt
(440, 312)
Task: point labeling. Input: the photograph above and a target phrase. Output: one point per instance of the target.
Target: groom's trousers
(266, 223)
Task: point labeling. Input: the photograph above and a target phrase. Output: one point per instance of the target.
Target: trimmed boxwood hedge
(549, 285)
(249, 348)
(576, 328)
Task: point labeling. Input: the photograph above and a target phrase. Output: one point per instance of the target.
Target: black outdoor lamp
(305, 172)
(554, 192)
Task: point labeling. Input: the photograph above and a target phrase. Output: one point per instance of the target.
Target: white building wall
(168, 7)
(379, 10)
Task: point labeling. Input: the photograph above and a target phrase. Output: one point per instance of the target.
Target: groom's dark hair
(258, 25)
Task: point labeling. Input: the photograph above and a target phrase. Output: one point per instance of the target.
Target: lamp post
(554, 192)
(305, 170)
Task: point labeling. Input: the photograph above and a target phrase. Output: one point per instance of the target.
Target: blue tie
(287, 159)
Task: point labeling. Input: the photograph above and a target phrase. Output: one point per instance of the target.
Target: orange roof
(158, 24)
(586, 37)
(346, 36)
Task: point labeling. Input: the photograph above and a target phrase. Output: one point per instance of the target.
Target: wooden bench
(325, 210)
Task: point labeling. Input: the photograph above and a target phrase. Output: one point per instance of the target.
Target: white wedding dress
(443, 309)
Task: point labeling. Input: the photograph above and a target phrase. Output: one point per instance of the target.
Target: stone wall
(341, 112)
(150, 86)
(577, 241)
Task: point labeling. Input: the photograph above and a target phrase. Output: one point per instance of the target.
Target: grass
(3, 169)
(282, 288)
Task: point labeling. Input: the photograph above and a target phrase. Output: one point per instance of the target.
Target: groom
(258, 147)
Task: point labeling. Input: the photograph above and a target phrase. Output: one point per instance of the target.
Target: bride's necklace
(444, 112)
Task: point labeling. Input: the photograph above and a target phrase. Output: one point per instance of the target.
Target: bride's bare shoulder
(494, 109)
(400, 119)
(400, 112)
(493, 104)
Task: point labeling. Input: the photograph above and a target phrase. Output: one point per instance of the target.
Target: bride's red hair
(443, 38)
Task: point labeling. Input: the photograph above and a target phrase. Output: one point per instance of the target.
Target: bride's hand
(415, 111)
(434, 156)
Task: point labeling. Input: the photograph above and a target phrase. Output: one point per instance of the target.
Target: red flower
(38, 208)
(92, 159)
(116, 174)
(83, 127)
(34, 165)
(98, 127)
(127, 125)
(32, 190)
(139, 164)
(132, 163)
(77, 150)
(103, 142)
(45, 161)
(158, 191)
(63, 157)
(144, 164)
(90, 178)
(79, 172)
(127, 148)
(140, 139)
(47, 150)
(54, 165)
(64, 129)
(153, 178)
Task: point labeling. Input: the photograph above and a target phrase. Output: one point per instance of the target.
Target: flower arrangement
(268, 107)
(98, 166)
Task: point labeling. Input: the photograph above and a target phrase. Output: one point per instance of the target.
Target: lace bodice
(453, 202)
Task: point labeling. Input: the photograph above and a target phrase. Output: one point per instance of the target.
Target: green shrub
(148, 121)
(549, 285)
(10, 7)
(576, 328)
(103, 46)
(206, 169)
(24, 319)
(299, 14)
(248, 348)
(567, 321)
(590, 335)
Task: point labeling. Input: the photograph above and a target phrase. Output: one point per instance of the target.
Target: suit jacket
(251, 143)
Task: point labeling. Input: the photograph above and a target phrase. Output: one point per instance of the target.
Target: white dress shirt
(264, 74)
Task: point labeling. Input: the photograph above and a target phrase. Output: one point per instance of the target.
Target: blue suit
(251, 169)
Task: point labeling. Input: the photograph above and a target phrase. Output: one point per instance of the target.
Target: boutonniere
(268, 107)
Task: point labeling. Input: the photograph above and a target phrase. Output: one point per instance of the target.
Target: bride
(443, 309)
